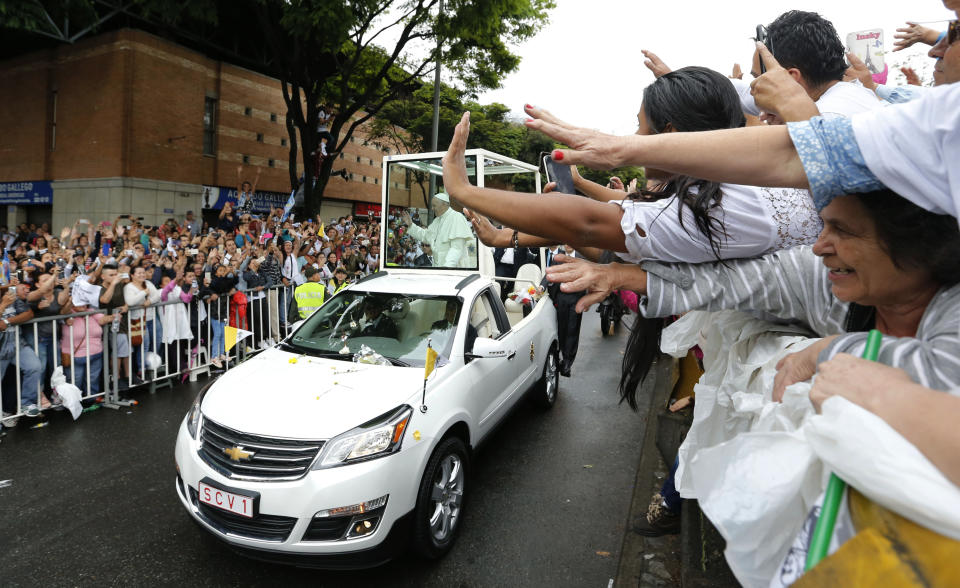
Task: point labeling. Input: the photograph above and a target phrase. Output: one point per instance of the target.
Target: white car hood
(311, 398)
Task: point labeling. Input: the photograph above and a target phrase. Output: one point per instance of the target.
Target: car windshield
(396, 326)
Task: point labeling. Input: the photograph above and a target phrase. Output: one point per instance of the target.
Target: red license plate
(229, 501)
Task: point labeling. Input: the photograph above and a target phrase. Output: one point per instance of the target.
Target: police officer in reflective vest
(339, 281)
(309, 295)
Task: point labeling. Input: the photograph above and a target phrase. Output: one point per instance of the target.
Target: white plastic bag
(757, 490)
(69, 394)
(871, 456)
(740, 353)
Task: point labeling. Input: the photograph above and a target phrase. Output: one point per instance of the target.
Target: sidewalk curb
(631, 567)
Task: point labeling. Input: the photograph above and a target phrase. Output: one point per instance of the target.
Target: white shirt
(291, 271)
(134, 296)
(914, 148)
(756, 220)
(840, 99)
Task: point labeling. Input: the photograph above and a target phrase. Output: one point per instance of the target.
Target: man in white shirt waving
(449, 235)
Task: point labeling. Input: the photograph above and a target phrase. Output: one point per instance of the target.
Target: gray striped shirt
(792, 285)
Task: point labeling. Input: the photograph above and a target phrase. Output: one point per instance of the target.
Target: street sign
(40, 192)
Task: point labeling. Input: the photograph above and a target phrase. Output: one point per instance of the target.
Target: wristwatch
(6, 323)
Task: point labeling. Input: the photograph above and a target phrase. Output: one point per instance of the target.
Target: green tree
(406, 123)
(69, 20)
(326, 54)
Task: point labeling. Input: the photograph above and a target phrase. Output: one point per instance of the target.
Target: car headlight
(376, 438)
(193, 417)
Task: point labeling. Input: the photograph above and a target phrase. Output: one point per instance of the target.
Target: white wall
(334, 209)
(104, 199)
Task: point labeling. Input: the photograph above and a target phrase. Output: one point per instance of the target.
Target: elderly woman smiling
(880, 262)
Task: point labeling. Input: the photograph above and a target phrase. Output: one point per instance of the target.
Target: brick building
(128, 122)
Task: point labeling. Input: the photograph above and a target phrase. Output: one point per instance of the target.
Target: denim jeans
(143, 349)
(284, 294)
(79, 369)
(155, 342)
(669, 490)
(217, 348)
(44, 350)
(30, 371)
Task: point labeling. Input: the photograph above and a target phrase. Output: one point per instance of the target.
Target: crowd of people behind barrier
(821, 203)
(167, 292)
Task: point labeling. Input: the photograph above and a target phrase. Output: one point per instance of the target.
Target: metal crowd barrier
(266, 317)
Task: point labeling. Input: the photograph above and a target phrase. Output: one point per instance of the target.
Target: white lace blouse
(756, 221)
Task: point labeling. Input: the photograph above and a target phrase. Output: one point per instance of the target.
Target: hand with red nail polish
(587, 147)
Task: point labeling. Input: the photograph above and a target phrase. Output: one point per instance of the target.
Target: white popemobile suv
(329, 450)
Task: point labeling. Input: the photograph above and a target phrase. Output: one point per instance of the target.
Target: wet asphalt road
(93, 503)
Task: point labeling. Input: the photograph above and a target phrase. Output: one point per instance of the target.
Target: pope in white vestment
(449, 235)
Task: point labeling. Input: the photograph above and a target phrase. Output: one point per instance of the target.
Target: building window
(273, 117)
(247, 111)
(342, 156)
(209, 126)
(376, 180)
(283, 142)
(246, 159)
(358, 159)
(259, 137)
(270, 163)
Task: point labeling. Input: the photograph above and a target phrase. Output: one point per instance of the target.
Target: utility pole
(436, 89)
(436, 113)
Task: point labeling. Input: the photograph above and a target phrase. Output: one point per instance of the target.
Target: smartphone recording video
(559, 173)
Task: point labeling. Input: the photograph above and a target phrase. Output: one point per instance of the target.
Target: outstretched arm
(547, 215)
(491, 236)
(256, 180)
(593, 189)
(758, 156)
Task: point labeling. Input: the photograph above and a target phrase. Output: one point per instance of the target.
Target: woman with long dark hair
(685, 220)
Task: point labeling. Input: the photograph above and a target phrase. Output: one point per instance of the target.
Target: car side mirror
(484, 347)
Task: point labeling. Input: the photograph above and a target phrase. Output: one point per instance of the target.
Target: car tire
(440, 499)
(547, 388)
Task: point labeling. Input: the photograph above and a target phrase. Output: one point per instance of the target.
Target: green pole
(820, 541)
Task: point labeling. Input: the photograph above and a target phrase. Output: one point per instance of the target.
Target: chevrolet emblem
(238, 454)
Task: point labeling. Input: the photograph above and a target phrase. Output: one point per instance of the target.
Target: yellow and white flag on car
(431, 361)
(233, 335)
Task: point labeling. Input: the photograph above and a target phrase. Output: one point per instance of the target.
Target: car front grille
(272, 458)
(263, 527)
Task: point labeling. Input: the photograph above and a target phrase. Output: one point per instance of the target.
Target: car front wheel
(440, 499)
(546, 389)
